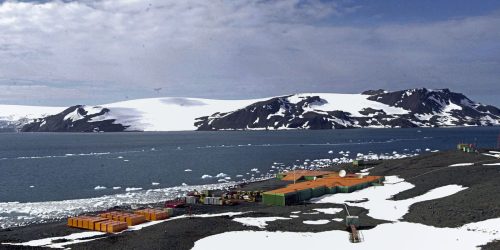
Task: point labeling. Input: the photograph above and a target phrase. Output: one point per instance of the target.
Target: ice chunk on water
(221, 175)
(99, 187)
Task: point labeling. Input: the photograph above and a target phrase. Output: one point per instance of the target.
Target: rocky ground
(478, 202)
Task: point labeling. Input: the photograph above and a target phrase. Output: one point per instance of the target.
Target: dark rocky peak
(374, 92)
(422, 100)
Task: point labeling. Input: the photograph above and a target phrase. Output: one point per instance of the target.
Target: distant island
(371, 109)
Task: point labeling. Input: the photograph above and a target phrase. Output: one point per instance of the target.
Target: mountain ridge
(419, 107)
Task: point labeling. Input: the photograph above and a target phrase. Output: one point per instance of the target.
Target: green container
(272, 199)
(304, 195)
(309, 178)
(291, 198)
(318, 191)
(342, 189)
(358, 163)
(331, 190)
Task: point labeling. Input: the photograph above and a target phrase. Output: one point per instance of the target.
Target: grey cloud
(238, 49)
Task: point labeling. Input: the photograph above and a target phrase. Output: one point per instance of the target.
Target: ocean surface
(57, 170)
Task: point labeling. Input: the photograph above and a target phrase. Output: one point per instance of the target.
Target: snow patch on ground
(316, 222)
(492, 164)
(462, 164)
(83, 236)
(71, 239)
(352, 103)
(260, 222)
(328, 210)
(390, 236)
(378, 198)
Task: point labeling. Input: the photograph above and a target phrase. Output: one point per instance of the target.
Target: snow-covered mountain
(375, 109)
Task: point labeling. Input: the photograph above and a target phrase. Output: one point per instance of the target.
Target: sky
(62, 53)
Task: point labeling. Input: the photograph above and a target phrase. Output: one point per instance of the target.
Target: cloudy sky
(101, 51)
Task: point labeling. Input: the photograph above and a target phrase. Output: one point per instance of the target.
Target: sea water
(44, 171)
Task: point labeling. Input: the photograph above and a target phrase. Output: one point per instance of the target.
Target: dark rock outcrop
(423, 108)
(74, 119)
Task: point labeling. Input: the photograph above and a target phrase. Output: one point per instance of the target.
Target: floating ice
(52, 210)
(330, 152)
(32, 186)
(206, 176)
(99, 188)
(155, 183)
(116, 188)
(187, 170)
(131, 189)
(221, 175)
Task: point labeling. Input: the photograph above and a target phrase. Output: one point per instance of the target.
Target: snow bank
(156, 114)
(16, 112)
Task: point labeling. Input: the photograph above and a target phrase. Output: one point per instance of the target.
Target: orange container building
(329, 183)
(129, 218)
(153, 214)
(97, 224)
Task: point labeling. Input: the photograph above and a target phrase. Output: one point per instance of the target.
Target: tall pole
(294, 178)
